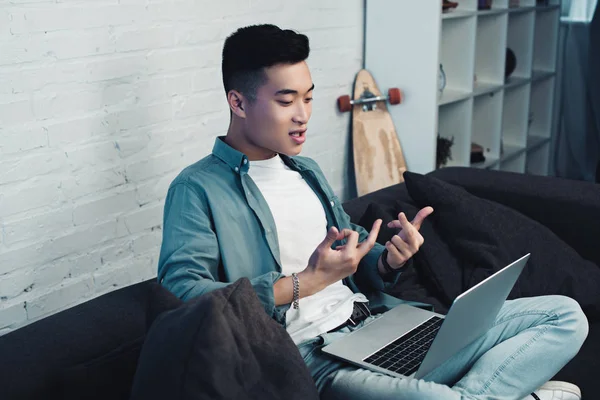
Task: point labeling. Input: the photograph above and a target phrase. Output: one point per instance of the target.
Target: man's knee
(572, 319)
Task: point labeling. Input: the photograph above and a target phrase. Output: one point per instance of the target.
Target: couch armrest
(571, 209)
(40, 359)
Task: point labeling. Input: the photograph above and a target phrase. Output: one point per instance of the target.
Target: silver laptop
(407, 341)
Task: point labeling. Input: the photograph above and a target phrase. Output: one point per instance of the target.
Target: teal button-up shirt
(218, 228)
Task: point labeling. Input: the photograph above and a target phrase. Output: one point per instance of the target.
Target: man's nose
(302, 114)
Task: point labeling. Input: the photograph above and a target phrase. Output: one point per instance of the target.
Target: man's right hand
(327, 265)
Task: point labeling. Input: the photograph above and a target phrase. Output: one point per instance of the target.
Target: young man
(255, 209)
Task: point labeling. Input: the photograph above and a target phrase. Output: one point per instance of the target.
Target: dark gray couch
(91, 350)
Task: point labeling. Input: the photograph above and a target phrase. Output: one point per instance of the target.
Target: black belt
(360, 312)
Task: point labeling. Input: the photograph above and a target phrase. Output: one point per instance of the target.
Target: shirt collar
(238, 161)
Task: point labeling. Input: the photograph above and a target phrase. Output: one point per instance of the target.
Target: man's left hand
(408, 240)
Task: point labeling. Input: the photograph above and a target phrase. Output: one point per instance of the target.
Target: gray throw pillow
(221, 345)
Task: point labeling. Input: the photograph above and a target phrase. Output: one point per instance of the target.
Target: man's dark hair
(251, 49)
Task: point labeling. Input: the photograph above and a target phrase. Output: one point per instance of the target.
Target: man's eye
(308, 99)
(285, 103)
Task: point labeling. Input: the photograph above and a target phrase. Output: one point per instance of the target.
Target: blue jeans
(530, 341)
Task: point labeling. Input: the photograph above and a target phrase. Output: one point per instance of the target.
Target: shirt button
(237, 169)
(332, 203)
(245, 161)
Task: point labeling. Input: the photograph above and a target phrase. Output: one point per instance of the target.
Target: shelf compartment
(458, 14)
(541, 107)
(515, 164)
(549, 7)
(520, 41)
(451, 96)
(455, 121)
(515, 113)
(546, 38)
(538, 160)
(487, 120)
(504, 4)
(515, 81)
(490, 48)
(492, 11)
(457, 53)
(511, 151)
(520, 10)
(490, 162)
(473, 6)
(482, 88)
(539, 75)
(533, 142)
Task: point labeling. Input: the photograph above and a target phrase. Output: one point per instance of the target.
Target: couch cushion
(485, 236)
(357, 206)
(107, 377)
(566, 207)
(110, 375)
(159, 300)
(221, 345)
(88, 351)
(35, 357)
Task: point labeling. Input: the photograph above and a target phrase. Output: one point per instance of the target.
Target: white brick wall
(102, 103)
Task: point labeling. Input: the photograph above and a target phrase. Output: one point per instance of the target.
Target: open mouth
(298, 133)
(298, 136)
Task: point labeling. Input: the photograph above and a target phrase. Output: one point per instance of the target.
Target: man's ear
(237, 103)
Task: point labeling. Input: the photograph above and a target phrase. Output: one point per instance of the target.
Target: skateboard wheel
(344, 103)
(394, 96)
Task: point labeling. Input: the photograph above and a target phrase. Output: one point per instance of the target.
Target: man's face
(276, 121)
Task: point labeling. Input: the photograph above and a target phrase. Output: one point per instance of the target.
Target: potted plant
(443, 151)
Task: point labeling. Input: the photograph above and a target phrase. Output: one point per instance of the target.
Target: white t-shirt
(301, 226)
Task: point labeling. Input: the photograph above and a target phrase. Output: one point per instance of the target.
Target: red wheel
(344, 103)
(394, 96)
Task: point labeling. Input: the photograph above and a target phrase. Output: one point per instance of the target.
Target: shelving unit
(407, 40)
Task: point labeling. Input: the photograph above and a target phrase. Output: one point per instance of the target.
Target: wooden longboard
(378, 158)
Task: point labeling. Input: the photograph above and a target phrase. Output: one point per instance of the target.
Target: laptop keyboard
(405, 354)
